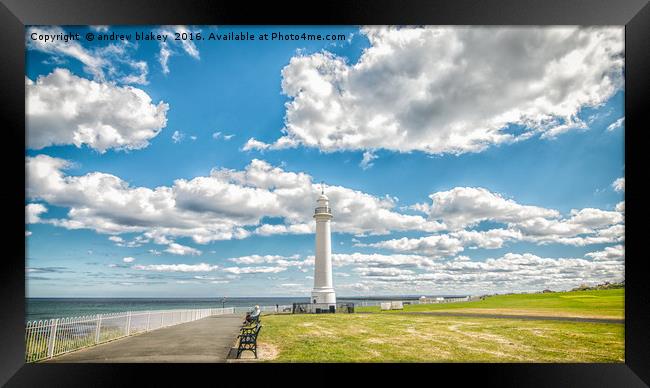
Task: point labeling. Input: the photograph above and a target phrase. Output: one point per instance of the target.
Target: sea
(49, 308)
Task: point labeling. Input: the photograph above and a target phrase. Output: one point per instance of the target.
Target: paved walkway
(206, 340)
(509, 316)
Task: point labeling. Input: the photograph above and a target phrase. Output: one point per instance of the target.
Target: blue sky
(488, 170)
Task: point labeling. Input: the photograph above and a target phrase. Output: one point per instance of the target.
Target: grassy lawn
(421, 338)
(593, 304)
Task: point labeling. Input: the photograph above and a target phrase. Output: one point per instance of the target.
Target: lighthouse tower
(323, 295)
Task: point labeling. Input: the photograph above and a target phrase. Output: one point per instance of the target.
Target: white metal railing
(49, 338)
(367, 303)
(443, 300)
(276, 309)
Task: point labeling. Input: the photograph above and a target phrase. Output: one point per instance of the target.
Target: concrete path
(206, 340)
(509, 316)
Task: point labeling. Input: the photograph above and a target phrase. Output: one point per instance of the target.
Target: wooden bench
(248, 339)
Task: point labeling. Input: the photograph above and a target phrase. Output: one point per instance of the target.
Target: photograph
(325, 193)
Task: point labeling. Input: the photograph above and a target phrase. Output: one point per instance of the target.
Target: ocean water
(48, 308)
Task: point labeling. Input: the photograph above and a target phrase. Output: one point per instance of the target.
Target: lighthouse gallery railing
(323, 209)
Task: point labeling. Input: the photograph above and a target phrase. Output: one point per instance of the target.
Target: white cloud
(619, 184)
(167, 48)
(201, 267)
(218, 135)
(253, 270)
(178, 136)
(33, 213)
(178, 249)
(465, 206)
(262, 259)
(512, 272)
(620, 207)
(28, 233)
(449, 89)
(615, 253)
(62, 108)
(99, 28)
(111, 62)
(128, 259)
(163, 57)
(616, 124)
(252, 144)
(268, 230)
(435, 246)
(378, 260)
(378, 271)
(227, 203)
(366, 162)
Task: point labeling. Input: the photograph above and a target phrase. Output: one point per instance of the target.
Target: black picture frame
(15, 14)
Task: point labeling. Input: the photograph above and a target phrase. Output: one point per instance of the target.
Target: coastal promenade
(205, 340)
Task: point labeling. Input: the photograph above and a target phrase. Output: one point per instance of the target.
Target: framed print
(368, 189)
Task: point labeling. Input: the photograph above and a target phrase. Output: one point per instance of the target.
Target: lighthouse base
(323, 297)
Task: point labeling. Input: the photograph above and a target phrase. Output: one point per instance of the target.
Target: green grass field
(417, 338)
(394, 337)
(592, 304)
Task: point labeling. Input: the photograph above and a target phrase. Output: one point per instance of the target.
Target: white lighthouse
(323, 294)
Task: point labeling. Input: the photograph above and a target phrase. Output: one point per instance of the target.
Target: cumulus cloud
(372, 272)
(366, 162)
(616, 124)
(620, 207)
(33, 213)
(178, 136)
(128, 259)
(512, 272)
(436, 246)
(217, 207)
(449, 89)
(201, 267)
(62, 108)
(615, 253)
(112, 62)
(619, 184)
(278, 260)
(252, 144)
(466, 206)
(232, 204)
(253, 270)
(178, 249)
(171, 46)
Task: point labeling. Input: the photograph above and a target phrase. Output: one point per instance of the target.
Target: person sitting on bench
(253, 315)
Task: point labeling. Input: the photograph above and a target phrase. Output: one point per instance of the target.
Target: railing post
(148, 320)
(98, 328)
(52, 339)
(128, 324)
